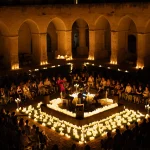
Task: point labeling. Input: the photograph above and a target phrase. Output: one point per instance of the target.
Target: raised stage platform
(81, 122)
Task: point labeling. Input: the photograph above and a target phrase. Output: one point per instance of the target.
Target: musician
(80, 97)
(76, 79)
(82, 80)
(60, 84)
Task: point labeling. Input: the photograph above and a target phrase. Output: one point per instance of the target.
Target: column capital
(39, 33)
(68, 30)
(11, 36)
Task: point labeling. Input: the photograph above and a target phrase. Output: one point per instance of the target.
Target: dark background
(43, 2)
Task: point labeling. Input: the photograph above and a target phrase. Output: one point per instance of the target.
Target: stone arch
(147, 44)
(80, 38)
(55, 38)
(4, 51)
(127, 41)
(28, 43)
(102, 38)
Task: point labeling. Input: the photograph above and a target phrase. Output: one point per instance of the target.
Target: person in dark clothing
(118, 141)
(127, 138)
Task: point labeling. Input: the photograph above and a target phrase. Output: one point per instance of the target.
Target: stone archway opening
(56, 38)
(127, 42)
(80, 39)
(102, 40)
(28, 43)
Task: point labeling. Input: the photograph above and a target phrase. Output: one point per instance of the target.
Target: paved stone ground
(63, 142)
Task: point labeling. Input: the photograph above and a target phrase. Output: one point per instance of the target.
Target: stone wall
(119, 17)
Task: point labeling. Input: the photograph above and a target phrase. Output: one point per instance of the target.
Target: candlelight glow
(15, 66)
(44, 63)
(139, 66)
(86, 132)
(54, 104)
(64, 57)
(90, 58)
(113, 62)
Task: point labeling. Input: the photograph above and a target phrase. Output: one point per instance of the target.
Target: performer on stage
(60, 83)
(80, 97)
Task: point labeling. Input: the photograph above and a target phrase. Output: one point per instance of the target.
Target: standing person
(60, 83)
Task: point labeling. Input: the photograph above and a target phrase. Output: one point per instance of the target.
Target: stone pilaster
(114, 47)
(91, 44)
(61, 42)
(43, 49)
(13, 51)
(140, 50)
(69, 43)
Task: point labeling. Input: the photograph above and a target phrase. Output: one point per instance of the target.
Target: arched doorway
(55, 39)
(103, 39)
(80, 39)
(127, 42)
(28, 43)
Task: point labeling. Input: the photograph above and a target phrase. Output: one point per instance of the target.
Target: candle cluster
(90, 58)
(113, 62)
(86, 132)
(44, 63)
(54, 104)
(139, 67)
(15, 66)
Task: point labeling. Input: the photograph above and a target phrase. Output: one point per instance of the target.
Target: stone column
(69, 43)
(82, 26)
(114, 47)
(43, 49)
(61, 42)
(100, 51)
(91, 44)
(36, 48)
(82, 49)
(140, 50)
(13, 52)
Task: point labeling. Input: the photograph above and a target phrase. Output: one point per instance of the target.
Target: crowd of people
(30, 86)
(130, 139)
(16, 133)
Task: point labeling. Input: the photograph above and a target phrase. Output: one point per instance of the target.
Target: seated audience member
(146, 95)
(90, 81)
(102, 84)
(76, 79)
(26, 92)
(41, 89)
(3, 95)
(121, 91)
(139, 95)
(54, 84)
(19, 92)
(34, 89)
(83, 80)
(47, 85)
(98, 80)
(133, 93)
(128, 91)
